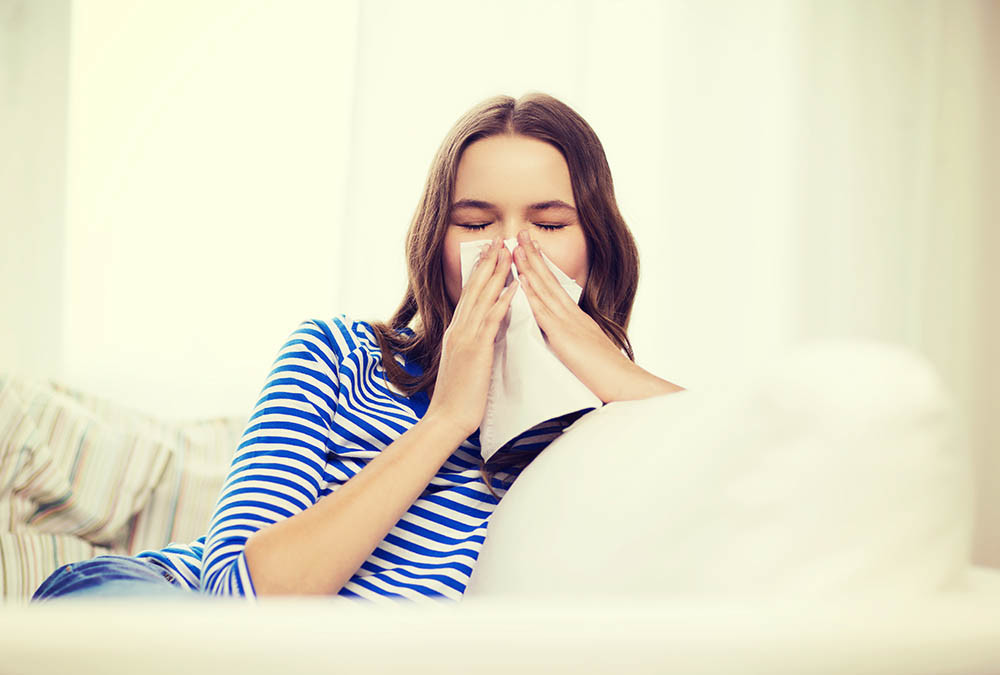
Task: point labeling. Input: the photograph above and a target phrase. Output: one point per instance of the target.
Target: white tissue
(529, 384)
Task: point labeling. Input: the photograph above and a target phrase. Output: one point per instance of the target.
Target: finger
(548, 286)
(481, 271)
(493, 285)
(539, 309)
(491, 323)
(543, 282)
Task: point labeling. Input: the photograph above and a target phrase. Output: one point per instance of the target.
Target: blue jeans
(111, 576)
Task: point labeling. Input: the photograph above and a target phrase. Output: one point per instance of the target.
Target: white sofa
(814, 518)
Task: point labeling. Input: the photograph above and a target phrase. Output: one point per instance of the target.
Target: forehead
(512, 171)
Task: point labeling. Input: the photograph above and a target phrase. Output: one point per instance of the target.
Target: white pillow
(842, 466)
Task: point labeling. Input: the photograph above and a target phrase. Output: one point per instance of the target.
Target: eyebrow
(539, 206)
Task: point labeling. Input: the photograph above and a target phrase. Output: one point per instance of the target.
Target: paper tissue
(529, 383)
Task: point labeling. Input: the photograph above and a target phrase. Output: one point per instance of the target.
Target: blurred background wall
(182, 182)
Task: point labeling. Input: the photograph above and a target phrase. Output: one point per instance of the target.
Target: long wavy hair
(613, 259)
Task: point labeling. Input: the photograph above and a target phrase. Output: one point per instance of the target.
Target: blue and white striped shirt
(326, 409)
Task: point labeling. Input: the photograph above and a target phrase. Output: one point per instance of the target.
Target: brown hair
(613, 259)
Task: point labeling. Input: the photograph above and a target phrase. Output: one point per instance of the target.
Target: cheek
(452, 264)
(571, 258)
(579, 267)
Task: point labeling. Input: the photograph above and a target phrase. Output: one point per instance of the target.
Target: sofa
(815, 517)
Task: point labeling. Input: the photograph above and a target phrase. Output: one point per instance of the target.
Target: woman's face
(512, 178)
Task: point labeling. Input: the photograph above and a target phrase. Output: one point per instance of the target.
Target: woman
(360, 475)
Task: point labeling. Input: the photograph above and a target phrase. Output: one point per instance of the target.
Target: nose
(511, 230)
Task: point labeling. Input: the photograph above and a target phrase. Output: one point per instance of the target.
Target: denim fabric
(111, 576)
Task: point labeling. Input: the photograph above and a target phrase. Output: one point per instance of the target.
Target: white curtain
(789, 169)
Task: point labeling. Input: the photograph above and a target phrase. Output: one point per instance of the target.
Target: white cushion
(843, 466)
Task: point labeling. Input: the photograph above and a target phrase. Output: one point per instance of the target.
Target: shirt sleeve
(278, 467)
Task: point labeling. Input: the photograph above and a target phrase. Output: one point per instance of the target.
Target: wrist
(635, 382)
(444, 427)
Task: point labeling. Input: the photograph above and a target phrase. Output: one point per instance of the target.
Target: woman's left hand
(575, 337)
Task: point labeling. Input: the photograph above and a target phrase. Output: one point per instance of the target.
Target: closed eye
(479, 226)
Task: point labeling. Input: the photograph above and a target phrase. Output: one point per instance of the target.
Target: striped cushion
(27, 558)
(81, 476)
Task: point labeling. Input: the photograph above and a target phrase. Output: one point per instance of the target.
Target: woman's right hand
(463, 376)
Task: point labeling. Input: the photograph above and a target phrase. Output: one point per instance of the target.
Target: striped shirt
(325, 411)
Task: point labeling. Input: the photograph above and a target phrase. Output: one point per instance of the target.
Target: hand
(463, 377)
(572, 334)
